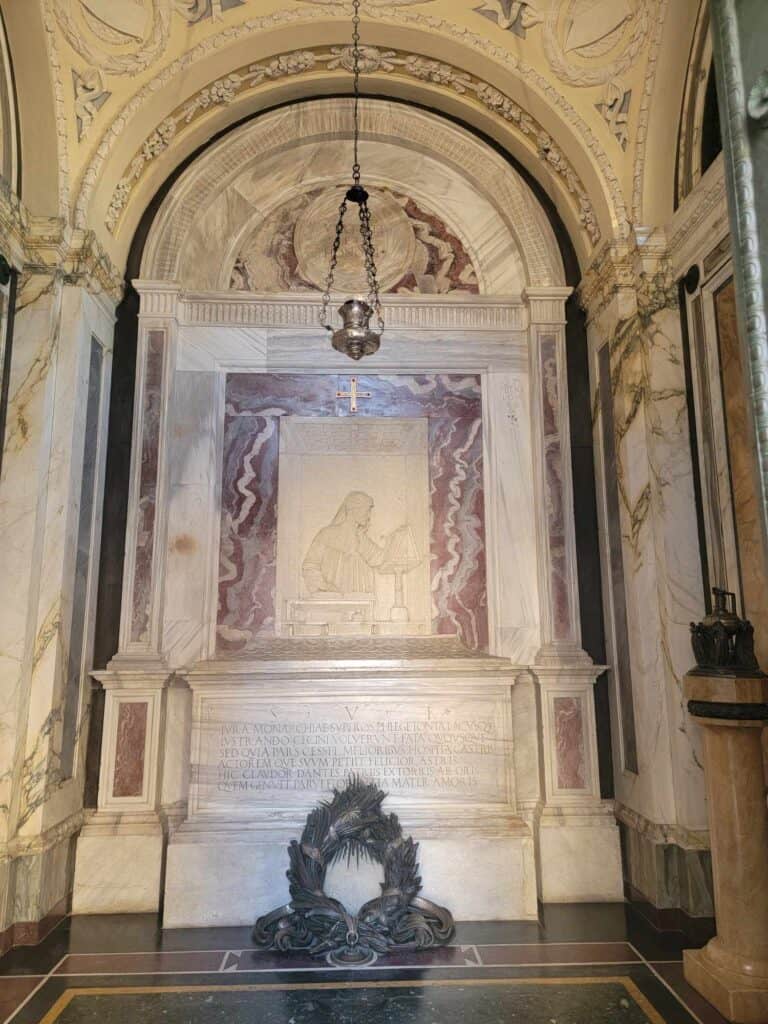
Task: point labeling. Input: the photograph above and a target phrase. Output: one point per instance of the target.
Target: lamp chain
(356, 86)
(358, 195)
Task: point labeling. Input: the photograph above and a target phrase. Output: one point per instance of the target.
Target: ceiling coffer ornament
(117, 37)
(90, 96)
(371, 3)
(517, 15)
(224, 91)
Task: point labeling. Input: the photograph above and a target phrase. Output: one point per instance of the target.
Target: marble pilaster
(573, 822)
(651, 564)
(52, 476)
(738, 32)
(122, 843)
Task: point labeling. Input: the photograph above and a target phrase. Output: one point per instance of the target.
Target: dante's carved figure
(342, 557)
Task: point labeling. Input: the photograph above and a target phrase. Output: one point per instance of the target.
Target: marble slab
(353, 505)
(255, 407)
(258, 754)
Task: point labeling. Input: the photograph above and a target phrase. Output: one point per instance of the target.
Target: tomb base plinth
(424, 719)
(118, 869)
(230, 876)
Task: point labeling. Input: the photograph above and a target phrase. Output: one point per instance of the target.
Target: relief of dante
(342, 557)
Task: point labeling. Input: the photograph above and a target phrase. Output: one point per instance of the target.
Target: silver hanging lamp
(355, 338)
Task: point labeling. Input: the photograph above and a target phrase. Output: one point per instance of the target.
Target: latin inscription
(457, 754)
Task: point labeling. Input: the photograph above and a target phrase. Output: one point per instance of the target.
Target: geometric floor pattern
(491, 1001)
(598, 964)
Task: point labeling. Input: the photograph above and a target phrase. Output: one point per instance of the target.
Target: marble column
(50, 502)
(578, 843)
(732, 970)
(739, 29)
(119, 852)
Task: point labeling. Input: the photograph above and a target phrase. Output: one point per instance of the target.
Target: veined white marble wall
(53, 450)
(659, 544)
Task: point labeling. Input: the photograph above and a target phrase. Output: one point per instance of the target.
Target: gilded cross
(353, 394)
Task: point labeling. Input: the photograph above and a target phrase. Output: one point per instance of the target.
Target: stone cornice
(76, 255)
(611, 272)
(639, 274)
(32, 845)
(701, 219)
(416, 312)
(547, 305)
(46, 245)
(14, 225)
(688, 839)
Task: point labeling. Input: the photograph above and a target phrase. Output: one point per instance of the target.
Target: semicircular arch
(259, 165)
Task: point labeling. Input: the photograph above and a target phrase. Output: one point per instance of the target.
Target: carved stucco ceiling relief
(123, 37)
(90, 96)
(477, 45)
(224, 91)
(416, 252)
(586, 42)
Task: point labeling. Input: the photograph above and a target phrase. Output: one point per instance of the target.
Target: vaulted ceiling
(586, 95)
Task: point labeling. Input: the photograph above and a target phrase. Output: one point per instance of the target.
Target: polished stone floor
(578, 965)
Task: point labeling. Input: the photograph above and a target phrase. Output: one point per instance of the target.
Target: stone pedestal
(118, 867)
(732, 970)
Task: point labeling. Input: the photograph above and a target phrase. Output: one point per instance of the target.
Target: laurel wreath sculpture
(352, 825)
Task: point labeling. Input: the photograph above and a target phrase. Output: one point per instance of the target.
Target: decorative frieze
(303, 311)
(225, 90)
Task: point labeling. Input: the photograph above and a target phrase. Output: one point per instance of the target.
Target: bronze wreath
(352, 825)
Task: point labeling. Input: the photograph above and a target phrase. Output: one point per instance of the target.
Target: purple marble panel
(129, 748)
(145, 522)
(569, 743)
(553, 489)
(254, 405)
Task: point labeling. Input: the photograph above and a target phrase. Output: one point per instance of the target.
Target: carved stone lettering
(251, 752)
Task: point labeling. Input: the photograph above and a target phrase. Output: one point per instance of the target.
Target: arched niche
(292, 157)
(512, 104)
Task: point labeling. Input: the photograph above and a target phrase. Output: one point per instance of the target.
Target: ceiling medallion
(590, 42)
(356, 338)
(118, 37)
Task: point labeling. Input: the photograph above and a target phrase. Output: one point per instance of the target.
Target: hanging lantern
(356, 338)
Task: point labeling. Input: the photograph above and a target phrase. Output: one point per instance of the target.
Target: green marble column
(740, 36)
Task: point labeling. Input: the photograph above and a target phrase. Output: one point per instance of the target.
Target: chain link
(332, 267)
(366, 231)
(356, 86)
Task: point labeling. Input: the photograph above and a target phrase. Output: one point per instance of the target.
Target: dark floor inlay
(498, 1001)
